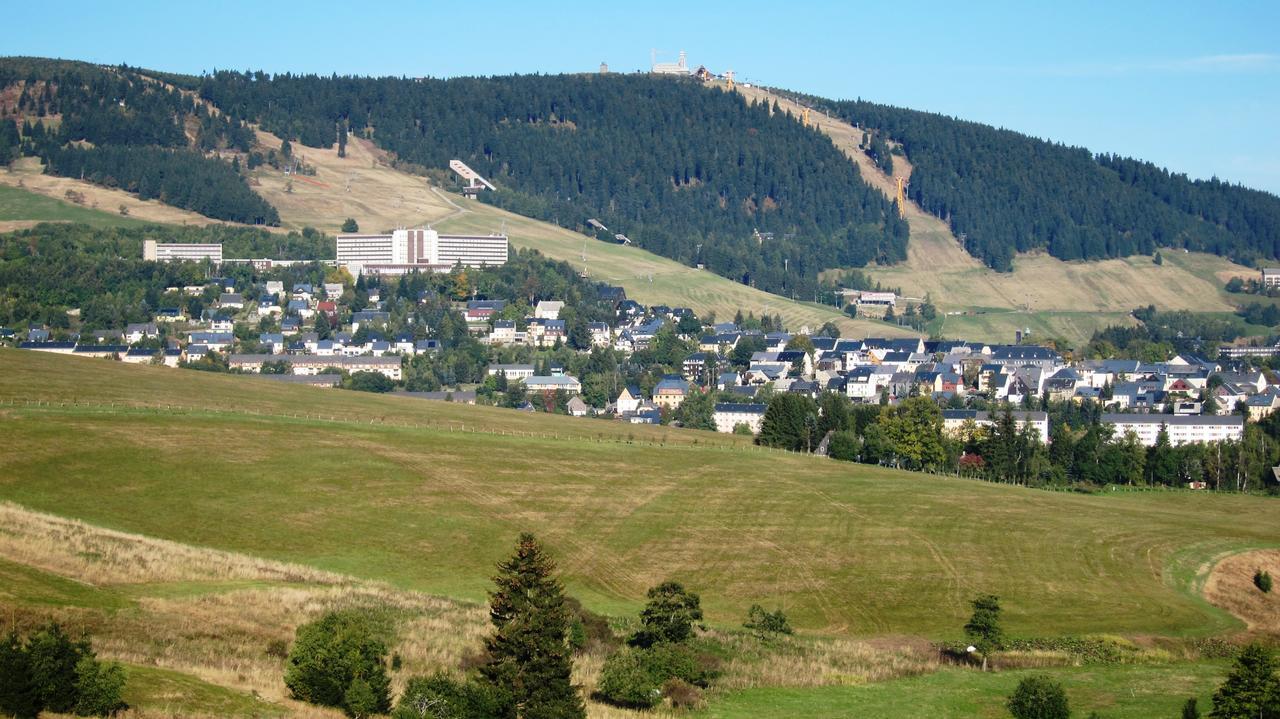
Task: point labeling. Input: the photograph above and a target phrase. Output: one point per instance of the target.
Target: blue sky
(1193, 86)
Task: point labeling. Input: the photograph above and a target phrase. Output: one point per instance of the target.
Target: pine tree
(529, 659)
(1252, 689)
(983, 628)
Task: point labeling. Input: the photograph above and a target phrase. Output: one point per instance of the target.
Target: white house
(629, 400)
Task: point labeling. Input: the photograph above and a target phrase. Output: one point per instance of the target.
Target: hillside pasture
(846, 549)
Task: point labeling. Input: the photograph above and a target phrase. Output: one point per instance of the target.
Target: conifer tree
(1252, 689)
(529, 660)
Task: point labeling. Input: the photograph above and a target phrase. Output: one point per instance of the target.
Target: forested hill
(681, 170)
(116, 128)
(1006, 192)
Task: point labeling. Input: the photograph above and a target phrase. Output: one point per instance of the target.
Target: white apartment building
(1182, 429)
(153, 251)
(419, 249)
(309, 365)
(953, 421)
(729, 415)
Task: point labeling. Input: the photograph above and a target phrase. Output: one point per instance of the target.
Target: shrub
(764, 622)
(626, 680)
(1039, 697)
(668, 616)
(442, 697)
(635, 677)
(277, 648)
(330, 654)
(682, 694)
(99, 688)
(1262, 580)
(844, 446)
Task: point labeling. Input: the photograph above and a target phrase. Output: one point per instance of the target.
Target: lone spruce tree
(983, 628)
(529, 660)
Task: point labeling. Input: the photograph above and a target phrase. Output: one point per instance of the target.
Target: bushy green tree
(1039, 697)
(332, 653)
(529, 659)
(669, 615)
(350, 225)
(53, 659)
(366, 381)
(1262, 580)
(790, 422)
(54, 672)
(844, 446)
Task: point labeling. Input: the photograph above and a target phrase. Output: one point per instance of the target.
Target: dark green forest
(116, 128)
(682, 171)
(1007, 192)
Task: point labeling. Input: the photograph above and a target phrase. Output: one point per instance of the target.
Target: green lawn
(1114, 691)
(845, 549)
(19, 204)
(34, 587)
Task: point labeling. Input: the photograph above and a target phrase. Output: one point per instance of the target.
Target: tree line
(1082, 452)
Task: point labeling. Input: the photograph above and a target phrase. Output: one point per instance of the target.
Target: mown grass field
(845, 549)
(262, 519)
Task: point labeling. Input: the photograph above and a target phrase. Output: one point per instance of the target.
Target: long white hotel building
(418, 250)
(1182, 429)
(181, 252)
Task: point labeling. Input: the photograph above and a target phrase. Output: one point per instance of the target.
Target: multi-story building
(181, 252)
(317, 364)
(953, 421)
(729, 415)
(1182, 429)
(419, 250)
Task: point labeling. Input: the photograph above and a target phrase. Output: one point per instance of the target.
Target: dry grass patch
(1230, 586)
(97, 556)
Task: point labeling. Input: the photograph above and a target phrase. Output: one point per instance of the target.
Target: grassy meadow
(210, 515)
(845, 549)
(19, 205)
